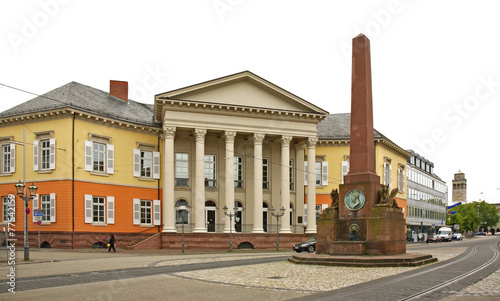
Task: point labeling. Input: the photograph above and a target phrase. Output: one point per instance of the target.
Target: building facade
(106, 164)
(427, 198)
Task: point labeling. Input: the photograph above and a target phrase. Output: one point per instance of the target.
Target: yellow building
(332, 153)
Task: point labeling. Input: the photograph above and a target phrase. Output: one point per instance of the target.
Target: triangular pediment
(243, 89)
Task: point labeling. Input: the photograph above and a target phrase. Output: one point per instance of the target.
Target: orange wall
(123, 195)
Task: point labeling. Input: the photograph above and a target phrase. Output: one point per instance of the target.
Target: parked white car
(445, 233)
(457, 236)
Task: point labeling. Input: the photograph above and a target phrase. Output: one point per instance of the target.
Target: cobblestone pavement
(488, 287)
(302, 278)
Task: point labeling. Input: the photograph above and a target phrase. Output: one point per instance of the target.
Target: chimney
(119, 89)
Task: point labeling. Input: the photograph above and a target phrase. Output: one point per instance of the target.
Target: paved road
(70, 275)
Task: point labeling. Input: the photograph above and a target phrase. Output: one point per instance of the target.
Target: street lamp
(278, 215)
(183, 211)
(230, 226)
(21, 192)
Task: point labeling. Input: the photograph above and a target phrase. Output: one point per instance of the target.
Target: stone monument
(363, 218)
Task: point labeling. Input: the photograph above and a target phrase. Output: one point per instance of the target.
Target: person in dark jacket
(111, 243)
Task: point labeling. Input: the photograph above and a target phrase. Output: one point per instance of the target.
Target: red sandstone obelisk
(362, 147)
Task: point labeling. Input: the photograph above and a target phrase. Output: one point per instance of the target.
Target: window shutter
(324, 173)
(52, 153)
(137, 211)
(12, 157)
(88, 209)
(345, 169)
(305, 173)
(111, 158)
(35, 155)
(35, 207)
(137, 162)
(156, 165)
(88, 158)
(385, 173)
(156, 212)
(52, 207)
(390, 175)
(111, 210)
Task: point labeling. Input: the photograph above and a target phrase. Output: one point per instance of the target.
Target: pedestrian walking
(111, 243)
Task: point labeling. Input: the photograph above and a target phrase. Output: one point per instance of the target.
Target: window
(8, 158)
(47, 204)
(99, 209)
(318, 172)
(146, 163)
(238, 172)
(44, 151)
(181, 169)
(265, 173)
(321, 173)
(387, 172)
(291, 178)
(146, 212)
(99, 155)
(45, 207)
(210, 180)
(401, 178)
(5, 209)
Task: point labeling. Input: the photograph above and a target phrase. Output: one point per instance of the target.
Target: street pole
(25, 199)
(230, 226)
(278, 215)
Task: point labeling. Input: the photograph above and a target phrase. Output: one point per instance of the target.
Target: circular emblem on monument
(354, 199)
(354, 229)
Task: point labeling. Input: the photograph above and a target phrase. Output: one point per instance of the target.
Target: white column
(311, 185)
(229, 181)
(199, 183)
(257, 190)
(168, 179)
(299, 184)
(285, 184)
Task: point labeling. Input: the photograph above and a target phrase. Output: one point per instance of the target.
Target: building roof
(338, 127)
(80, 97)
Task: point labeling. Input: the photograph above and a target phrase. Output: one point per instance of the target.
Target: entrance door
(210, 216)
(239, 215)
(264, 217)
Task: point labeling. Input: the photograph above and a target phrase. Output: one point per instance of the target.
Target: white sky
(435, 64)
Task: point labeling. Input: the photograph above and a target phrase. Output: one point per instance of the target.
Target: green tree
(472, 215)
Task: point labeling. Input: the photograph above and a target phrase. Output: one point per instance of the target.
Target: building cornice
(61, 113)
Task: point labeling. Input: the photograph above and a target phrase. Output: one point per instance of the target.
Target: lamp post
(278, 215)
(182, 210)
(21, 192)
(230, 226)
(478, 226)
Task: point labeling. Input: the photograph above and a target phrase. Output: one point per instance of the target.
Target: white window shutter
(111, 210)
(88, 157)
(156, 165)
(324, 173)
(305, 172)
(137, 211)
(88, 209)
(390, 175)
(345, 169)
(52, 153)
(137, 162)
(111, 158)
(35, 155)
(52, 207)
(156, 212)
(385, 173)
(12, 157)
(35, 207)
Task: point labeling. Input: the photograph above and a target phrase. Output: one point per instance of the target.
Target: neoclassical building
(242, 143)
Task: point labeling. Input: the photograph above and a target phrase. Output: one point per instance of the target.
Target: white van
(445, 233)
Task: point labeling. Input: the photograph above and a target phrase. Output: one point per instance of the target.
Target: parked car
(457, 236)
(445, 233)
(433, 238)
(309, 246)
